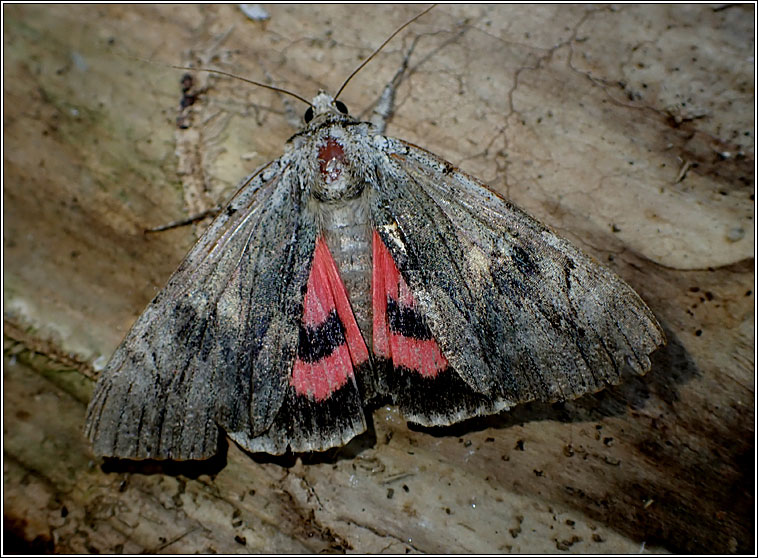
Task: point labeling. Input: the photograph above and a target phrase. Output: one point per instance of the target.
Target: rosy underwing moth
(359, 268)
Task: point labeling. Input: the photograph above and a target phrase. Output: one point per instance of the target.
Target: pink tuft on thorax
(331, 158)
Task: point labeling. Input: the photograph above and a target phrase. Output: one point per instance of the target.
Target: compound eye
(342, 107)
(308, 115)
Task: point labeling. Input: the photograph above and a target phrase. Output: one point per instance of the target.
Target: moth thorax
(336, 180)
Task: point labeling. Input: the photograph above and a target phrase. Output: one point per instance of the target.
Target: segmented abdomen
(348, 234)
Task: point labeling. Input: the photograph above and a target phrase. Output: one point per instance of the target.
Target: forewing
(217, 344)
(519, 312)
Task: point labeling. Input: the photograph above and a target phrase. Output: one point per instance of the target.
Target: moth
(359, 268)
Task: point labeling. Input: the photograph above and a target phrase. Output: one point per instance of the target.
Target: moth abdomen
(347, 231)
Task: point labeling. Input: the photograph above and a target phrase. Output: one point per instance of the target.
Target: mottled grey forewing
(519, 312)
(216, 345)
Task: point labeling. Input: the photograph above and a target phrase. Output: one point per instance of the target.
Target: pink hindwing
(400, 333)
(330, 342)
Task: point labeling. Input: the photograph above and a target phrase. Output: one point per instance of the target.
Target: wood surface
(627, 129)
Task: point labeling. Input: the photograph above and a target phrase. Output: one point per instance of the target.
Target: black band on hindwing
(438, 400)
(406, 321)
(319, 342)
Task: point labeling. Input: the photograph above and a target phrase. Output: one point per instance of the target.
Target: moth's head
(324, 107)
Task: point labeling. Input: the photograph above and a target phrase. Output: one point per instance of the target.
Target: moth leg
(212, 212)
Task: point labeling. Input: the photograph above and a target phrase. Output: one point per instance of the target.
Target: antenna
(295, 95)
(258, 83)
(367, 60)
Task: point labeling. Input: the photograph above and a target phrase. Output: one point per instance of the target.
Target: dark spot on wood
(567, 543)
(187, 82)
(16, 541)
(187, 100)
(515, 532)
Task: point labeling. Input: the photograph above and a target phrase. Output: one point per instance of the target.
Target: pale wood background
(630, 130)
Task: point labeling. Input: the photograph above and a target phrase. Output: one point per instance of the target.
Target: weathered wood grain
(630, 130)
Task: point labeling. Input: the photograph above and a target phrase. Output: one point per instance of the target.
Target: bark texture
(629, 130)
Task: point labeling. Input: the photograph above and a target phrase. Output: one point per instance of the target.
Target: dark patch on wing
(319, 342)
(524, 261)
(406, 321)
(435, 401)
(303, 424)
